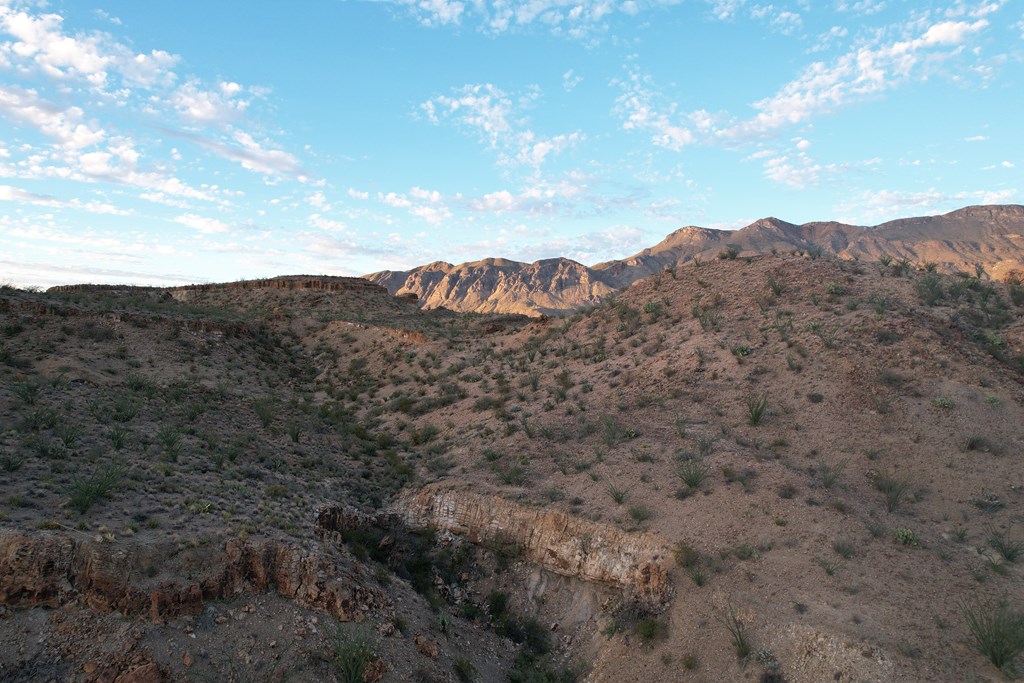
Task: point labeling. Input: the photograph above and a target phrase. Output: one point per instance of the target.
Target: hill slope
(990, 237)
(820, 452)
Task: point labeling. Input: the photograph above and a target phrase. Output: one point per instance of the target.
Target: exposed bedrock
(565, 544)
(50, 569)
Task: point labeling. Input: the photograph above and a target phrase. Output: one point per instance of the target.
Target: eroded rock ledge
(563, 543)
(50, 569)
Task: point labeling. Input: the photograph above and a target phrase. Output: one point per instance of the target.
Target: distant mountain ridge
(992, 236)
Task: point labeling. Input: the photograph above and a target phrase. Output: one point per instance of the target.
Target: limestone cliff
(565, 544)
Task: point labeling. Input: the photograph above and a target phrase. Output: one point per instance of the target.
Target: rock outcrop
(50, 569)
(637, 563)
(545, 287)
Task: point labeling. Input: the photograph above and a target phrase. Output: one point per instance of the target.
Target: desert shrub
(352, 652)
(831, 472)
(10, 463)
(86, 492)
(893, 489)
(929, 290)
(27, 391)
(464, 670)
(1009, 549)
(68, 433)
(907, 537)
(844, 548)
(998, 630)
(617, 494)
(693, 472)
(685, 555)
(737, 632)
(640, 513)
(124, 409)
(757, 408)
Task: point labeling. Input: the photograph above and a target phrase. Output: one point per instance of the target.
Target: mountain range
(987, 237)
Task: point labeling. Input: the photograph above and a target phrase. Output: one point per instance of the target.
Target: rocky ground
(814, 458)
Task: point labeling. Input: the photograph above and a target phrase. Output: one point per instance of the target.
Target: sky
(166, 143)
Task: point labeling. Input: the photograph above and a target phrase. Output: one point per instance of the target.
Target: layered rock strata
(565, 544)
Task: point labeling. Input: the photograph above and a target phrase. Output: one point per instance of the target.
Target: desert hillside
(984, 240)
(768, 467)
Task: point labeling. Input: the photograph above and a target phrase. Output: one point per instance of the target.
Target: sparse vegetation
(894, 490)
(997, 629)
(1010, 550)
(737, 632)
(353, 650)
(693, 471)
(630, 415)
(87, 491)
(757, 408)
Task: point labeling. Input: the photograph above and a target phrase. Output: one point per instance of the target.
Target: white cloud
(861, 73)
(40, 42)
(197, 104)
(570, 80)
(357, 194)
(782, 20)
(490, 114)
(203, 224)
(428, 205)
(888, 204)
(162, 198)
(976, 138)
(328, 224)
(724, 10)
(64, 125)
(577, 19)
(319, 200)
(794, 170)
(863, 7)
(828, 39)
(540, 198)
(15, 194)
(433, 12)
(251, 154)
(644, 109)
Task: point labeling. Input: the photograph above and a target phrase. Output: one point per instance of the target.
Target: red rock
(374, 671)
(147, 673)
(427, 646)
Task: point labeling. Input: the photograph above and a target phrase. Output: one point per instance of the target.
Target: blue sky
(165, 143)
